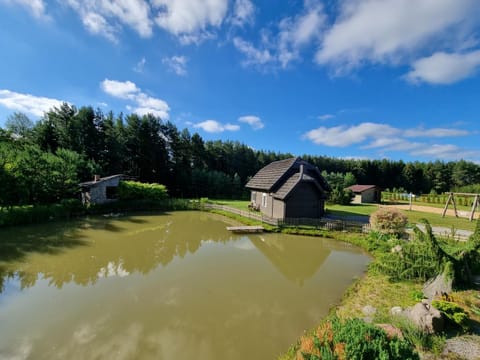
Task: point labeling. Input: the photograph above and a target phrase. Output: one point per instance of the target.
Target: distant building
(366, 194)
(100, 190)
(290, 188)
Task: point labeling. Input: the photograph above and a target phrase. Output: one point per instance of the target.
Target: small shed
(366, 194)
(101, 190)
(290, 188)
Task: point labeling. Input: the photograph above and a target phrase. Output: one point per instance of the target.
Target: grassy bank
(24, 215)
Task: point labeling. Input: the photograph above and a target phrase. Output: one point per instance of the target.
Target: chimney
(96, 178)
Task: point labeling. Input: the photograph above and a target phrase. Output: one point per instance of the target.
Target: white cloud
(253, 55)
(444, 68)
(385, 138)
(435, 132)
(213, 126)
(35, 7)
(140, 66)
(447, 151)
(254, 121)
(177, 64)
(243, 12)
(26, 103)
(341, 136)
(189, 18)
(96, 24)
(326, 116)
(120, 89)
(144, 104)
(294, 33)
(386, 31)
(105, 17)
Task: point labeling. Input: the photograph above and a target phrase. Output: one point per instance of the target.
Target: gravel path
(434, 210)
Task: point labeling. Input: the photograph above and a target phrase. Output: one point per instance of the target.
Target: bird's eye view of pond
(164, 286)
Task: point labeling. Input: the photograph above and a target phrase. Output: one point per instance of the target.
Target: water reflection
(106, 247)
(296, 260)
(167, 287)
(119, 247)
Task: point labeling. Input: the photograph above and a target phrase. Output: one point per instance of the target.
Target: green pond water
(169, 286)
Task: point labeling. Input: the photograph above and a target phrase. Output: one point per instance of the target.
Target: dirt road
(433, 210)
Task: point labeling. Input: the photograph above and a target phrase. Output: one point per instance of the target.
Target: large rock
(391, 331)
(426, 317)
(437, 286)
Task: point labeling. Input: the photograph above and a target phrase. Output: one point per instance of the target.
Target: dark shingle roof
(287, 186)
(280, 177)
(268, 176)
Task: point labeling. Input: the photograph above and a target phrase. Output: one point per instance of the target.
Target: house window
(253, 199)
(264, 200)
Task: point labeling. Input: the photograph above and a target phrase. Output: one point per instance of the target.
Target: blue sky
(395, 79)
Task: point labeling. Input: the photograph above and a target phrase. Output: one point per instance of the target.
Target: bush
(388, 221)
(133, 190)
(454, 313)
(353, 339)
(341, 196)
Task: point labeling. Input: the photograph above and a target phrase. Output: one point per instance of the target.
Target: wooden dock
(245, 229)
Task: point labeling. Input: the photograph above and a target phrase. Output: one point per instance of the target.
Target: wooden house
(290, 188)
(366, 194)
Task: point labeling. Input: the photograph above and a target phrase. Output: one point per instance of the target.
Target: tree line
(43, 162)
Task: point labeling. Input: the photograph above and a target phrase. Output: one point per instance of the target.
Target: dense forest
(43, 162)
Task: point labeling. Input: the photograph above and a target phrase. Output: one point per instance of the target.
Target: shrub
(341, 196)
(388, 221)
(453, 312)
(353, 339)
(133, 190)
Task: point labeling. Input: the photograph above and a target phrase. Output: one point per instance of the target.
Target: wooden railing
(323, 223)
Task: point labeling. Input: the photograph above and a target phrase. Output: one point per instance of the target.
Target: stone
(426, 317)
(391, 331)
(437, 286)
(396, 310)
(369, 311)
(396, 249)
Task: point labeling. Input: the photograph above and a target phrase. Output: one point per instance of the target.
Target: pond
(168, 286)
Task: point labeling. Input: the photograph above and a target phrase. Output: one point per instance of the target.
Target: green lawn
(351, 210)
(413, 216)
(366, 209)
(237, 204)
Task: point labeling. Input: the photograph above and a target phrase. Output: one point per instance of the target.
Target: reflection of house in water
(296, 260)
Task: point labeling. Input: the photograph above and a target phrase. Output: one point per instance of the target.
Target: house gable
(286, 183)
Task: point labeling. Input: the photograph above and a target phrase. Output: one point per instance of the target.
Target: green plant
(133, 190)
(453, 312)
(353, 339)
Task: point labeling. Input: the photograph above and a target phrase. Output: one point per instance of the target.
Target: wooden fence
(323, 223)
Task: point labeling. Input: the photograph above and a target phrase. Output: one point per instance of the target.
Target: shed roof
(93, 182)
(361, 188)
